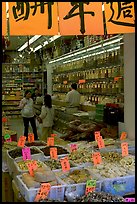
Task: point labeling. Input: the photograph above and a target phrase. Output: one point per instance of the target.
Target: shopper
(73, 99)
(36, 94)
(27, 112)
(46, 117)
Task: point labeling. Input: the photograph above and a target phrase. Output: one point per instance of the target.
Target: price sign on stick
(123, 136)
(21, 141)
(73, 147)
(53, 135)
(65, 164)
(30, 137)
(97, 135)
(100, 142)
(26, 153)
(50, 141)
(96, 156)
(53, 153)
(90, 186)
(43, 192)
(32, 166)
(124, 147)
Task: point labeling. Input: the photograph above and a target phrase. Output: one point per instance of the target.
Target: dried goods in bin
(55, 164)
(60, 150)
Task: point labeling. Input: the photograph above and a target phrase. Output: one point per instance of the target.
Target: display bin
(120, 185)
(17, 195)
(29, 194)
(10, 160)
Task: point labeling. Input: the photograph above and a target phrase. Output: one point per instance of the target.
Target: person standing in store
(73, 99)
(46, 117)
(27, 112)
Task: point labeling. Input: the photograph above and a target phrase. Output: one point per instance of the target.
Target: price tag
(123, 136)
(50, 141)
(65, 82)
(96, 156)
(8, 140)
(124, 147)
(32, 166)
(4, 120)
(43, 192)
(53, 153)
(7, 136)
(82, 81)
(129, 199)
(65, 164)
(90, 186)
(53, 135)
(100, 142)
(97, 135)
(30, 137)
(73, 147)
(26, 153)
(21, 142)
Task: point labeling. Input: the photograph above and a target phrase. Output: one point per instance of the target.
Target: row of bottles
(104, 87)
(105, 72)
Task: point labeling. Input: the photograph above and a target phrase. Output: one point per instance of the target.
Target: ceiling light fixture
(32, 40)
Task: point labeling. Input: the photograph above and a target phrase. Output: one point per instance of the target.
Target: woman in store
(27, 112)
(46, 117)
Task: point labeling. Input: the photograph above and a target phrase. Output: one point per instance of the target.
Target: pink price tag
(26, 153)
(8, 140)
(73, 147)
(129, 199)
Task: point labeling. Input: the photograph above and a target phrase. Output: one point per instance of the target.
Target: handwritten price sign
(50, 141)
(100, 142)
(123, 136)
(73, 147)
(43, 192)
(32, 166)
(26, 153)
(53, 153)
(97, 135)
(65, 164)
(30, 137)
(96, 156)
(21, 142)
(90, 186)
(124, 147)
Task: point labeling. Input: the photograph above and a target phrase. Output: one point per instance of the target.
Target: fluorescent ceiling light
(32, 40)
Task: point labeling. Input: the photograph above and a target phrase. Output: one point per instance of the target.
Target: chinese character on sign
(81, 13)
(124, 10)
(22, 10)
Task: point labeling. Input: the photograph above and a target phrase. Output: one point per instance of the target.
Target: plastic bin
(56, 192)
(120, 185)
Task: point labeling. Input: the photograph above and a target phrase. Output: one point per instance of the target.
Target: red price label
(53, 135)
(50, 141)
(73, 147)
(53, 153)
(124, 147)
(97, 135)
(32, 166)
(8, 140)
(4, 120)
(90, 186)
(30, 137)
(65, 164)
(96, 156)
(100, 142)
(21, 142)
(123, 136)
(89, 189)
(43, 192)
(82, 81)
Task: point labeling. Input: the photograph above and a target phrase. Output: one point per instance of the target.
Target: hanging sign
(90, 186)
(26, 153)
(96, 156)
(123, 136)
(33, 18)
(43, 192)
(50, 141)
(65, 164)
(53, 153)
(124, 147)
(21, 141)
(120, 17)
(30, 137)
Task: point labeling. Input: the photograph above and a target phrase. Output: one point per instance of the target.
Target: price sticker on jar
(32, 166)
(50, 141)
(73, 147)
(26, 153)
(97, 135)
(124, 147)
(123, 136)
(65, 164)
(97, 159)
(30, 137)
(53, 153)
(90, 186)
(100, 142)
(43, 192)
(21, 141)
